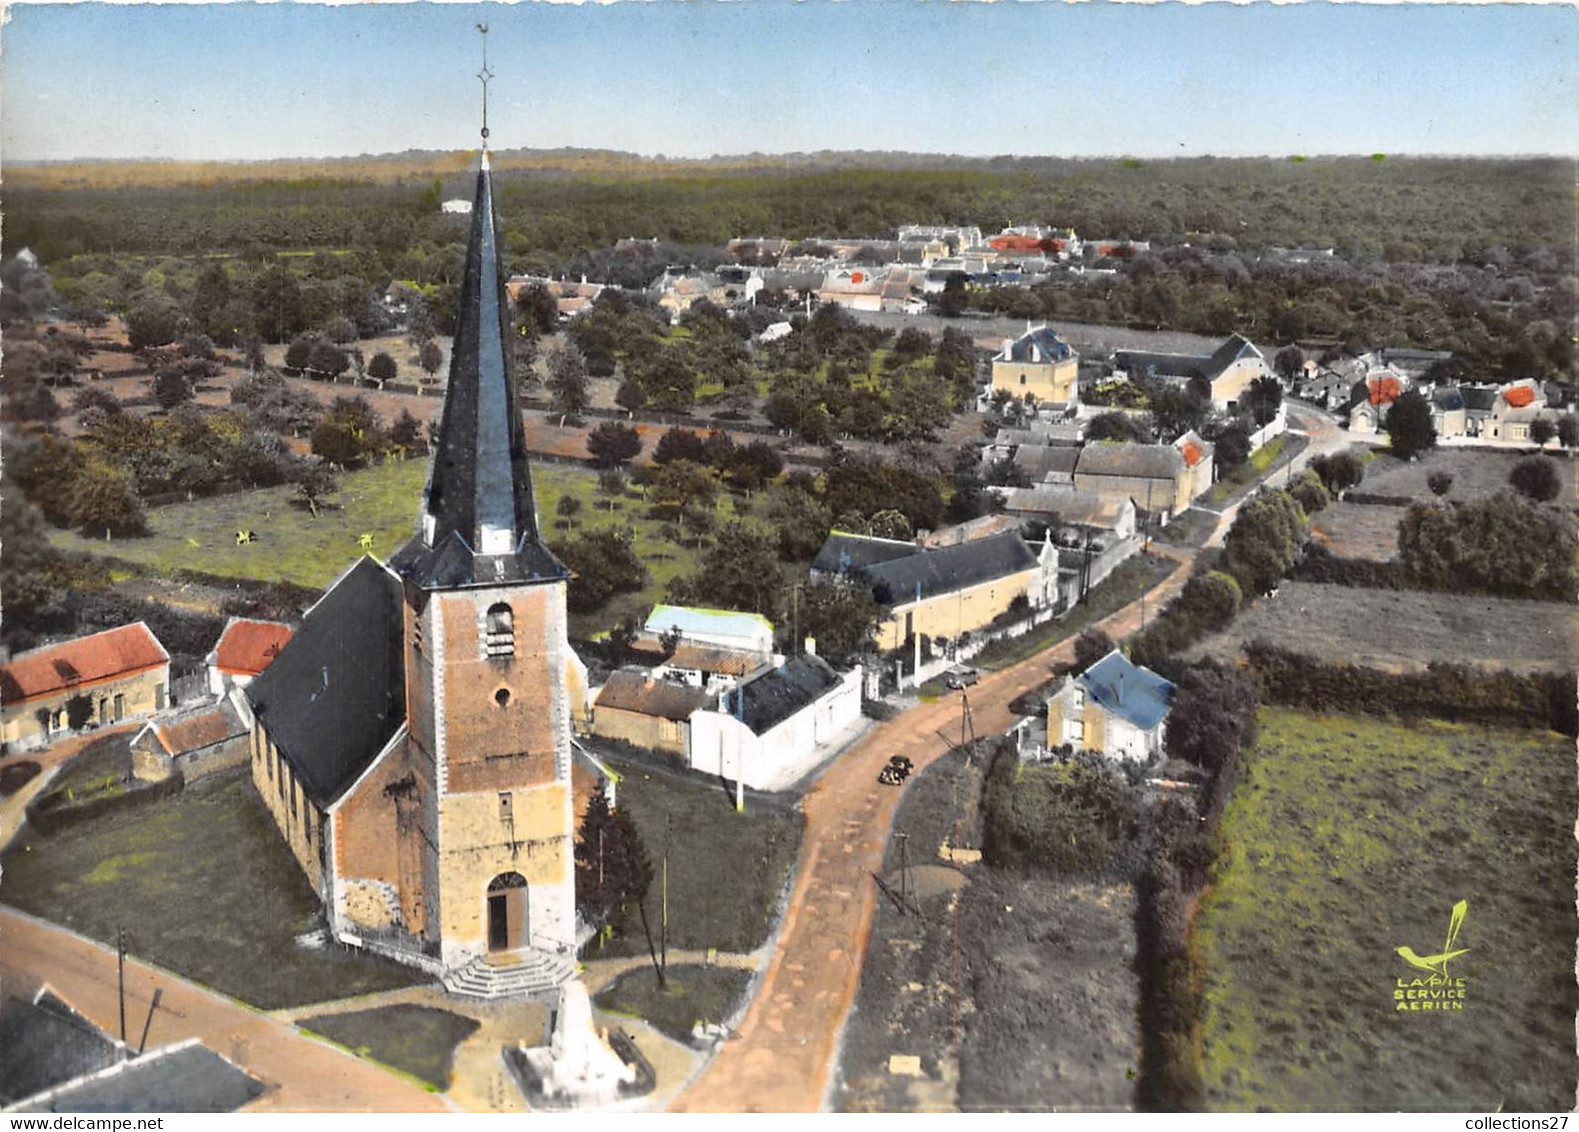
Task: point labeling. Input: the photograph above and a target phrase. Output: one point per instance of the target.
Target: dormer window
(499, 637)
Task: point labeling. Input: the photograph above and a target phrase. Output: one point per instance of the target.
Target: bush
(1499, 545)
(1310, 493)
(1536, 479)
(1069, 817)
(1339, 472)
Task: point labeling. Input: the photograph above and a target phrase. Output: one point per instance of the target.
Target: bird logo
(1437, 964)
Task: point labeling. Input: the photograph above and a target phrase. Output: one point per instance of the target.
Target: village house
(413, 739)
(243, 651)
(858, 289)
(946, 591)
(102, 679)
(1041, 364)
(1383, 386)
(1105, 518)
(1160, 479)
(1223, 374)
(195, 742)
(723, 628)
(572, 298)
(679, 289)
(1449, 416)
(635, 707)
(778, 725)
(956, 239)
(1115, 707)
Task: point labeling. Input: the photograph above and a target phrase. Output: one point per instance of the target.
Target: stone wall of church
(299, 821)
(383, 835)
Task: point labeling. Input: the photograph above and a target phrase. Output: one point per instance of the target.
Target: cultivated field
(1475, 472)
(1404, 630)
(1358, 530)
(1348, 838)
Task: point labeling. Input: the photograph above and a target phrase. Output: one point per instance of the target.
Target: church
(413, 740)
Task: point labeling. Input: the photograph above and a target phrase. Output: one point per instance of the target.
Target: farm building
(104, 678)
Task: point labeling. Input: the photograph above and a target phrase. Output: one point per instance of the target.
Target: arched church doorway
(507, 925)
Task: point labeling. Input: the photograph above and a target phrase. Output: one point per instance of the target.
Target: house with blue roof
(1115, 707)
(1041, 364)
(720, 628)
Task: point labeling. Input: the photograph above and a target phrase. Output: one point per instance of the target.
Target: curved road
(782, 1056)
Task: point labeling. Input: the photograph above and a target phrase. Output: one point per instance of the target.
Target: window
(293, 799)
(416, 635)
(307, 824)
(506, 807)
(120, 708)
(502, 697)
(1022, 379)
(158, 697)
(499, 638)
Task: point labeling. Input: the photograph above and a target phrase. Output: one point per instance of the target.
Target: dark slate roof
(843, 553)
(335, 695)
(479, 480)
(1478, 397)
(1037, 460)
(44, 1043)
(1205, 366)
(767, 701)
(949, 568)
(1135, 694)
(188, 1077)
(1146, 461)
(1040, 346)
(1448, 398)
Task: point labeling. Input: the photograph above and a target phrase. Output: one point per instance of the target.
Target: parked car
(962, 677)
(895, 773)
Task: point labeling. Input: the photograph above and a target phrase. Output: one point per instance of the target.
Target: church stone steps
(535, 973)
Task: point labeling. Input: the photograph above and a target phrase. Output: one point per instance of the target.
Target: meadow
(293, 545)
(1345, 839)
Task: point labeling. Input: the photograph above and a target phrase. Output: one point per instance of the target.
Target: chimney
(811, 646)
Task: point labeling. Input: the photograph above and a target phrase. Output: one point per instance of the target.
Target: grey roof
(188, 1077)
(945, 569)
(479, 479)
(1478, 397)
(1135, 694)
(45, 1043)
(1448, 398)
(843, 553)
(335, 695)
(635, 690)
(1206, 366)
(1038, 460)
(1145, 461)
(1040, 345)
(768, 700)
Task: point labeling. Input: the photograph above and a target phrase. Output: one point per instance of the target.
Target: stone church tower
(412, 741)
(488, 820)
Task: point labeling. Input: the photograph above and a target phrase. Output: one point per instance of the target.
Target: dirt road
(301, 1075)
(782, 1056)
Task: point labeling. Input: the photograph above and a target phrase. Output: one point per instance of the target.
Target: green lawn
(96, 771)
(1347, 838)
(203, 885)
(726, 869)
(1272, 455)
(293, 546)
(692, 994)
(419, 1040)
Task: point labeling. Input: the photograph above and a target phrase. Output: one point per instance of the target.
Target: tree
(629, 396)
(1117, 426)
(800, 521)
(1213, 716)
(1310, 493)
(602, 563)
(568, 507)
(1440, 483)
(430, 357)
(680, 444)
(1409, 427)
(1211, 599)
(891, 524)
(1542, 431)
(1231, 446)
(315, 483)
(751, 466)
(611, 484)
(741, 570)
(842, 619)
(328, 358)
(681, 484)
(1289, 362)
(382, 367)
(1536, 479)
(536, 310)
(104, 499)
(1264, 540)
(612, 867)
(298, 355)
(1175, 411)
(1091, 646)
(341, 331)
(278, 310)
(171, 388)
(1568, 431)
(1499, 545)
(1261, 399)
(406, 433)
(154, 320)
(567, 380)
(613, 445)
(348, 433)
(951, 302)
(1339, 472)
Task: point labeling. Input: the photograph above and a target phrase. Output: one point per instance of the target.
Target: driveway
(782, 1056)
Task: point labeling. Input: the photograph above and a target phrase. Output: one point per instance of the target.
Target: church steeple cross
(484, 75)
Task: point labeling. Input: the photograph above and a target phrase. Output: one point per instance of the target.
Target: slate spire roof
(479, 520)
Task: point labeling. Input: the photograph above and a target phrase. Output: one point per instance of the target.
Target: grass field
(1348, 838)
(691, 994)
(1475, 472)
(726, 869)
(1404, 630)
(1358, 530)
(418, 1040)
(203, 885)
(381, 501)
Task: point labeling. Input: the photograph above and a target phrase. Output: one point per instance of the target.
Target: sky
(249, 81)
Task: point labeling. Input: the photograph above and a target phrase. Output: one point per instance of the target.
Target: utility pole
(147, 1025)
(120, 979)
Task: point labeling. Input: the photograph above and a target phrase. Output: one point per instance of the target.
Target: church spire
(479, 520)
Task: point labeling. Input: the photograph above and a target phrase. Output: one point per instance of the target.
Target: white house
(773, 728)
(1114, 707)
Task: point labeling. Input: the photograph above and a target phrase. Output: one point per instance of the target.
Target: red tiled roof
(86, 660)
(205, 729)
(1192, 453)
(1385, 390)
(1519, 396)
(248, 647)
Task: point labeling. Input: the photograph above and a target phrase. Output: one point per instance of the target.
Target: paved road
(302, 1075)
(1325, 438)
(782, 1057)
